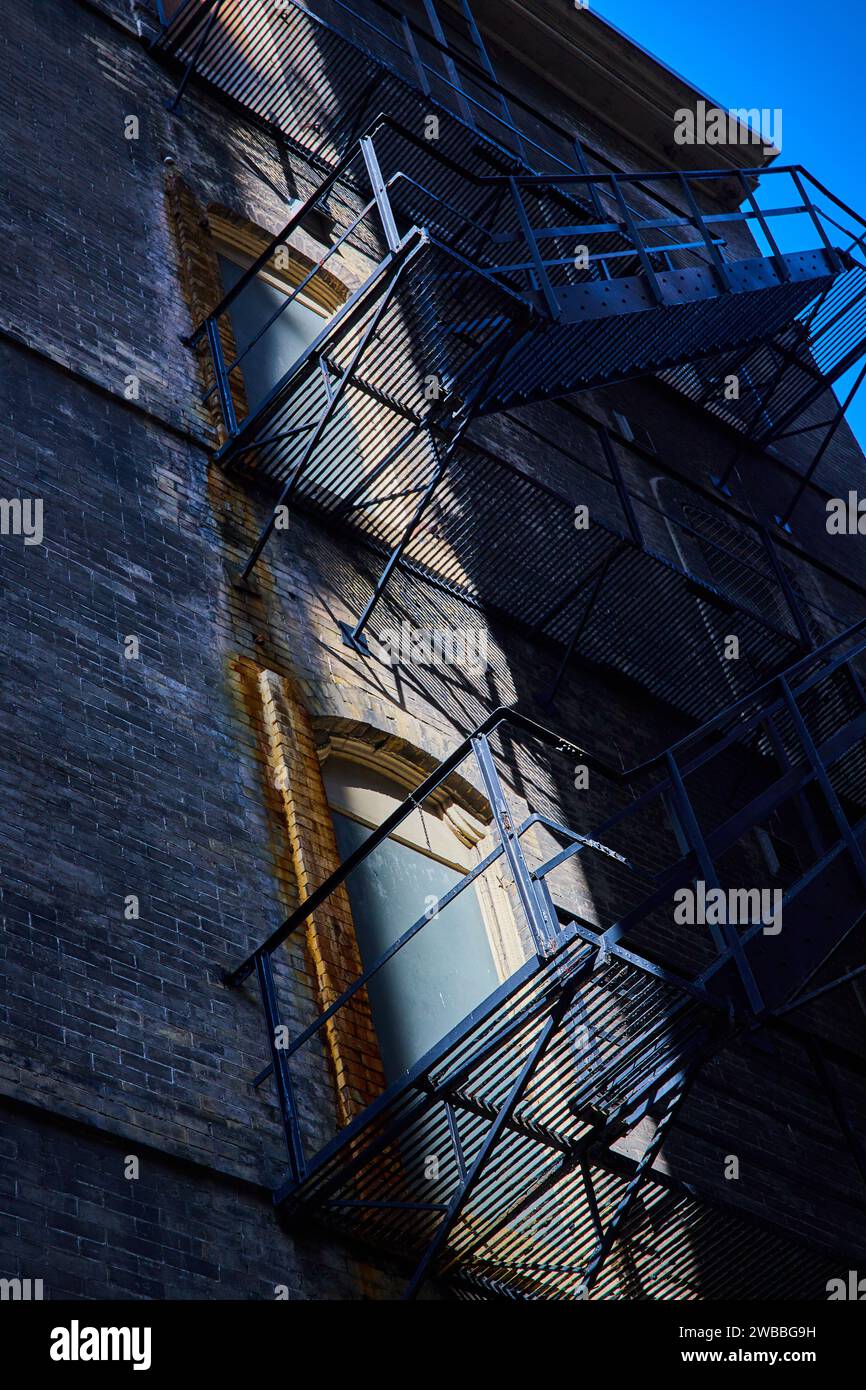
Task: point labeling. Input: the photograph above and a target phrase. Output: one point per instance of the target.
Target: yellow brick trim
(330, 932)
(202, 289)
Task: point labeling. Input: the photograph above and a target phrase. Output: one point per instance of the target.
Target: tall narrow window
(274, 321)
(454, 962)
(268, 352)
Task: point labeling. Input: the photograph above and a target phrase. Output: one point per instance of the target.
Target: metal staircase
(532, 1106)
(317, 80)
(459, 317)
(503, 265)
(586, 294)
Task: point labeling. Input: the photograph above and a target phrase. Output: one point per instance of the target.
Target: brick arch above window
(325, 289)
(198, 232)
(407, 765)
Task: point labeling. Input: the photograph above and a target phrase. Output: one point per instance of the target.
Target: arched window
(278, 314)
(267, 355)
(460, 955)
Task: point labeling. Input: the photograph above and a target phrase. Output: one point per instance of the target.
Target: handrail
(478, 74)
(483, 79)
(224, 370)
(382, 121)
(630, 229)
(635, 176)
(385, 122)
(264, 257)
(515, 718)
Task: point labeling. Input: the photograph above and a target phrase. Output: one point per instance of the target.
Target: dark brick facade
(154, 777)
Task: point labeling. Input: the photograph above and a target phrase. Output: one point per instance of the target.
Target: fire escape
(501, 270)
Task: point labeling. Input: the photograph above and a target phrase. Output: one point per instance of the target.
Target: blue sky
(803, 57)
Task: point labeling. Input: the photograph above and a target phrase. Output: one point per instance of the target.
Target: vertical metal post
(782, 267)
(454, 1136)
(543, 930)
(541, 274)
(722, 274)
(380, 193)
(810, 825)
(822, 778)
(785, 585)
(591, 1200)
(636, 241)
(197, 52)
(619, 483)
(450, 68)
(223, 384)
(584, 168)
(412, 50)
(485, 61)
(282, 1075)
(835, 259)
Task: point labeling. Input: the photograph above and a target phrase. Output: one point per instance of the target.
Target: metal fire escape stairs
(524, 1104)
(485, 292)
(500, 269)
(499, 274)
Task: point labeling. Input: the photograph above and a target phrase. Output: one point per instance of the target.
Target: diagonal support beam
(831, 1091)
(196, 54)
(727, 937)
(354, 636)
(784, 519)
(802, 999)
(822, 777)
(626, 1116)
(547, 699)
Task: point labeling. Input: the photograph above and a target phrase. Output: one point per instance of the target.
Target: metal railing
(427, 200)
(789, 754)
(559, 159)
(432, 196)
(401, 435)
(238, 50)
(367, 217)
(383, 36)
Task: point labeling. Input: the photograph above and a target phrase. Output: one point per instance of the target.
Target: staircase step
(556, 359)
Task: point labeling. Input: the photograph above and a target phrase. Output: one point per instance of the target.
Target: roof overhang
(614, 79)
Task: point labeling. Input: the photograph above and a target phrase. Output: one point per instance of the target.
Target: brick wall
(75, 1217)
(187, 777)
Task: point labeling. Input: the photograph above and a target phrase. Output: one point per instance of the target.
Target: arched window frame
(474, 835)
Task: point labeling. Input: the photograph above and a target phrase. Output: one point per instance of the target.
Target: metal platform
(370, 425)
(478, 1160)
(338, 68)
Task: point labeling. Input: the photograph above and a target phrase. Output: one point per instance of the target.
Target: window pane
(281, 346)
(442, 974)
